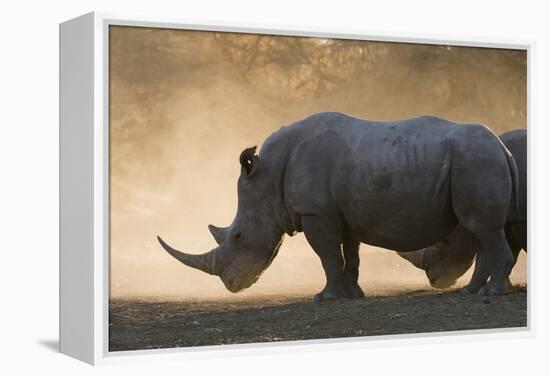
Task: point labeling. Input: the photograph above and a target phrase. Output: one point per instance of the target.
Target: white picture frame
(84, 196)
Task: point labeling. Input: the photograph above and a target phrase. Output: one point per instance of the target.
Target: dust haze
(184, 104)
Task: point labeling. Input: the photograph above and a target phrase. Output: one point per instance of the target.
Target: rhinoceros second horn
(218, 233)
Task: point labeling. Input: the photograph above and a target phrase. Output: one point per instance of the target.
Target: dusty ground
(144, 323)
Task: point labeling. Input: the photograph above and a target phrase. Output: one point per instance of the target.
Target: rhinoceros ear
(249, 161)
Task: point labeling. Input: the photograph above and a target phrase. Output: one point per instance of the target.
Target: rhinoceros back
(373, 174)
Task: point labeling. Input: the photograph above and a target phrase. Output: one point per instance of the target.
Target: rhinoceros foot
(354, 290)
(471, 289)
(493, 290)
(331, 293)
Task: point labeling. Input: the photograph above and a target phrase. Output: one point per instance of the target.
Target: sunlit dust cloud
(184, 104)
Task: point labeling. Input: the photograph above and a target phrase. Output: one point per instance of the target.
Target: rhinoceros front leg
(326, 240)
(351, 267)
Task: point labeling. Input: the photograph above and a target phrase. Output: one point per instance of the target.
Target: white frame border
(102, 21)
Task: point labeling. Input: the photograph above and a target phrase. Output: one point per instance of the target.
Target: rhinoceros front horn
(205, 262)
(218, 233)
(415, 257)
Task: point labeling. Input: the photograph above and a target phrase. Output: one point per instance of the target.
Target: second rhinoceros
(449, 259)
(402, 185)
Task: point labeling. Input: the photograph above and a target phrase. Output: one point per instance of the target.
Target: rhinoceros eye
(238, 235)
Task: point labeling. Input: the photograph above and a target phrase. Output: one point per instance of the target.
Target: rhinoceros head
(246, 247)
(447, 260)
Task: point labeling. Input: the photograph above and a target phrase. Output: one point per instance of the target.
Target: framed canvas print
(235, 188)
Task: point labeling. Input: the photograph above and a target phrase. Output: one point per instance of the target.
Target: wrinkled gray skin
(449, 259)
(401, 185)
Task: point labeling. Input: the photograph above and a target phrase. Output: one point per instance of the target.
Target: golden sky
(184, 104)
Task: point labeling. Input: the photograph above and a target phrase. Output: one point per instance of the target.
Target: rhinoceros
(401, 185)
(449, 259)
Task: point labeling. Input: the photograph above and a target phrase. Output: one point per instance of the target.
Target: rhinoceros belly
(402, 220)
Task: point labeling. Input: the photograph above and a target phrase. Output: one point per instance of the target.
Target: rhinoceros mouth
(236, 282)
(234, 285)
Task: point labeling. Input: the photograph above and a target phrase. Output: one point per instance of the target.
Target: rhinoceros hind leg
(478, 279)
(326, 239)
(481, 200)
(495, 260)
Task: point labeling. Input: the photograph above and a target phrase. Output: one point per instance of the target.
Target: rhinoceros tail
(514, 203)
